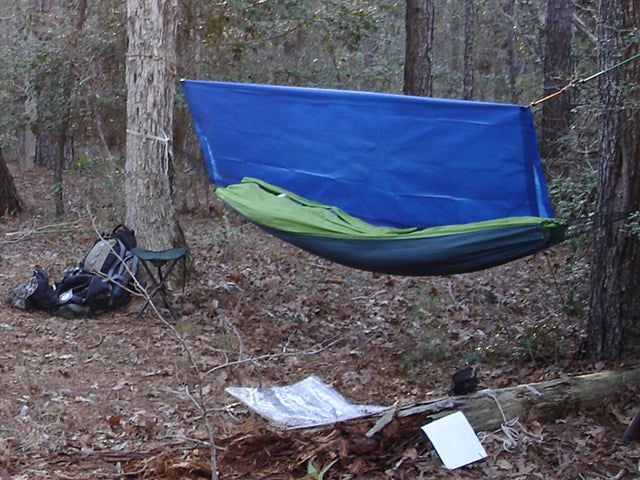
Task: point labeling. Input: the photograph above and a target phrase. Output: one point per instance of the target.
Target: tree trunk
(557, 73)
(54, 148)
(511, 64)
(28, 160)
(150, 74)
(419, 45)
(58, 187)
(469, 35)
(46, 151)
(614, 309)
(65, 120)
(10, 202)
(38, 148)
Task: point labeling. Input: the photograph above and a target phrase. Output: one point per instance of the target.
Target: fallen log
(373, 443)
(540, 401)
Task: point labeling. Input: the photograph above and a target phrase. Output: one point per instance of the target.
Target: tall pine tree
(614, 312)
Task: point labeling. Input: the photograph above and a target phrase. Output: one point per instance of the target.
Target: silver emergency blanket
(308, 403)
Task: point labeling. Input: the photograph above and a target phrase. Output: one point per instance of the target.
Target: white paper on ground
(307, 403)
(454, 440)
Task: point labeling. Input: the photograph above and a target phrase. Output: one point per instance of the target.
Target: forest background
(334, 44)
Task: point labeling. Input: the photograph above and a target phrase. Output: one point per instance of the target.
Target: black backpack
(34, 294)
(103, 279)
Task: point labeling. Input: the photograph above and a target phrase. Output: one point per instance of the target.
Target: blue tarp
(387, 159)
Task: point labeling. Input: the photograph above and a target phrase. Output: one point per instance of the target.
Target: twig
(20, 235)
(200, 401)
(122, 473)
(235, 331)
(181, 439)
(373, 295)
(270, 356)
(97, 344)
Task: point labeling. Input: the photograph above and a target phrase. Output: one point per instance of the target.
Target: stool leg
(162, 291)
(159, 281)
(155, 283)
(158, 287)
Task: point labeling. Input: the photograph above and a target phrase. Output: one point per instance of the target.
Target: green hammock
(331, 233)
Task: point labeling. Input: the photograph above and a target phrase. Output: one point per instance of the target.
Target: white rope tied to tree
(512, 430)
(164, 140)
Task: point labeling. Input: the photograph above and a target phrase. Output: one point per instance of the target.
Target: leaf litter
(113, 397)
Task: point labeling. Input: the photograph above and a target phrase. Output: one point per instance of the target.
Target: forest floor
(116, 397)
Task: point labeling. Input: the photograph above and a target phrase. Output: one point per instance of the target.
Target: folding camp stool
(164, 261)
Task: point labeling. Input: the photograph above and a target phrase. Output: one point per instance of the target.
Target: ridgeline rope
(580, 81)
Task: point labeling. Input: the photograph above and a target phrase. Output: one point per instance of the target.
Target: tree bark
(28, 160)
(10, 202)
(614, 308)
(46, 151)
(419, 45)
(150, 74)
(556, 112)
(511, 64)
(469, 58)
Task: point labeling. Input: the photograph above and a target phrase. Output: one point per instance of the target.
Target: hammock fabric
(386, 183)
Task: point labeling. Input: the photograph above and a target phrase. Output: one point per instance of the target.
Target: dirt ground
(116, 397)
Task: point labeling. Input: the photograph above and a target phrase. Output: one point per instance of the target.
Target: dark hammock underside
(443, 255)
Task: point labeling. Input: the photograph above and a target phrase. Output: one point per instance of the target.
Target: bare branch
(578, 22)
(270, 356)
